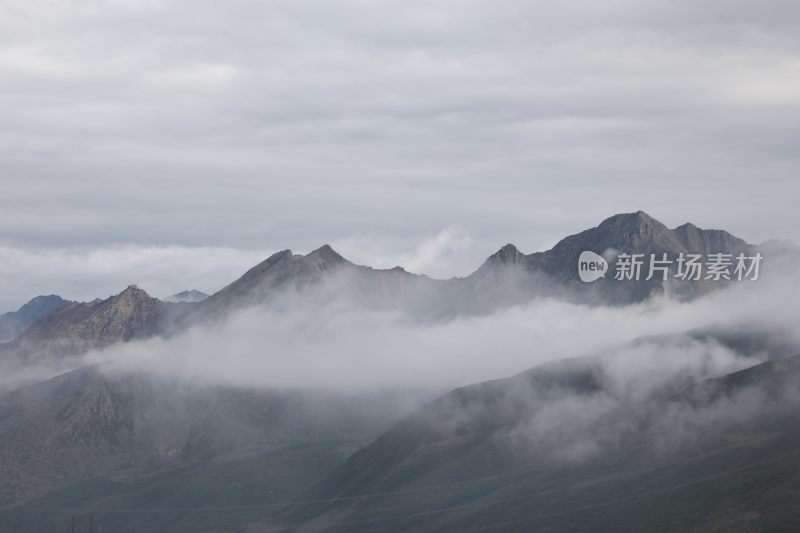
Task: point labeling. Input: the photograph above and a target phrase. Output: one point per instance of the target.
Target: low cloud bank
(340, 346)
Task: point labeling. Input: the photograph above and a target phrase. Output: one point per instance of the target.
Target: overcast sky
(176, 143)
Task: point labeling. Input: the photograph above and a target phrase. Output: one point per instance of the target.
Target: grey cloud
(267, 125)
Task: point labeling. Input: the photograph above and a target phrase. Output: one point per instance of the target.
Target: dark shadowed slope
(721, 455)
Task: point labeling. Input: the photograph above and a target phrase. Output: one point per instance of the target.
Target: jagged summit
(686, 226)
(278, 273)
(636, 232)
(631, 232)
(133, 291)
(507, 255)
(132, 296)
(325, 255)
(637, 218)
(632, 228)
(276, 257)
(324, 250)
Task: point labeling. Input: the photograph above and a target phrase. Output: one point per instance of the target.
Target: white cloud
(451, 252)
(342, 347)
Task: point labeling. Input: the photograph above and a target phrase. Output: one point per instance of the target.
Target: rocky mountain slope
(78, 327)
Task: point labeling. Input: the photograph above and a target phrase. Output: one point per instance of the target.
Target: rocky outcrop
(79, 327)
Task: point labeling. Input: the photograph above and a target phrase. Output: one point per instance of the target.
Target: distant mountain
(507, 277)
(552, 450)
(15, 322)
(191, 296)
(554, 272)
(323, 276)
(78, 327)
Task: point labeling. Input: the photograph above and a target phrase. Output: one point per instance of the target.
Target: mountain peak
(639, 219)
(688, 226)
(268, 263)
(507, 255)
(131, 296)
(133, 291)
(325, 255)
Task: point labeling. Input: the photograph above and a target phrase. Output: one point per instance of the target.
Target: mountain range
(507, 277)
(559, 447)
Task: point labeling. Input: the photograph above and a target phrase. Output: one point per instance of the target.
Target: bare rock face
(79, 327)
